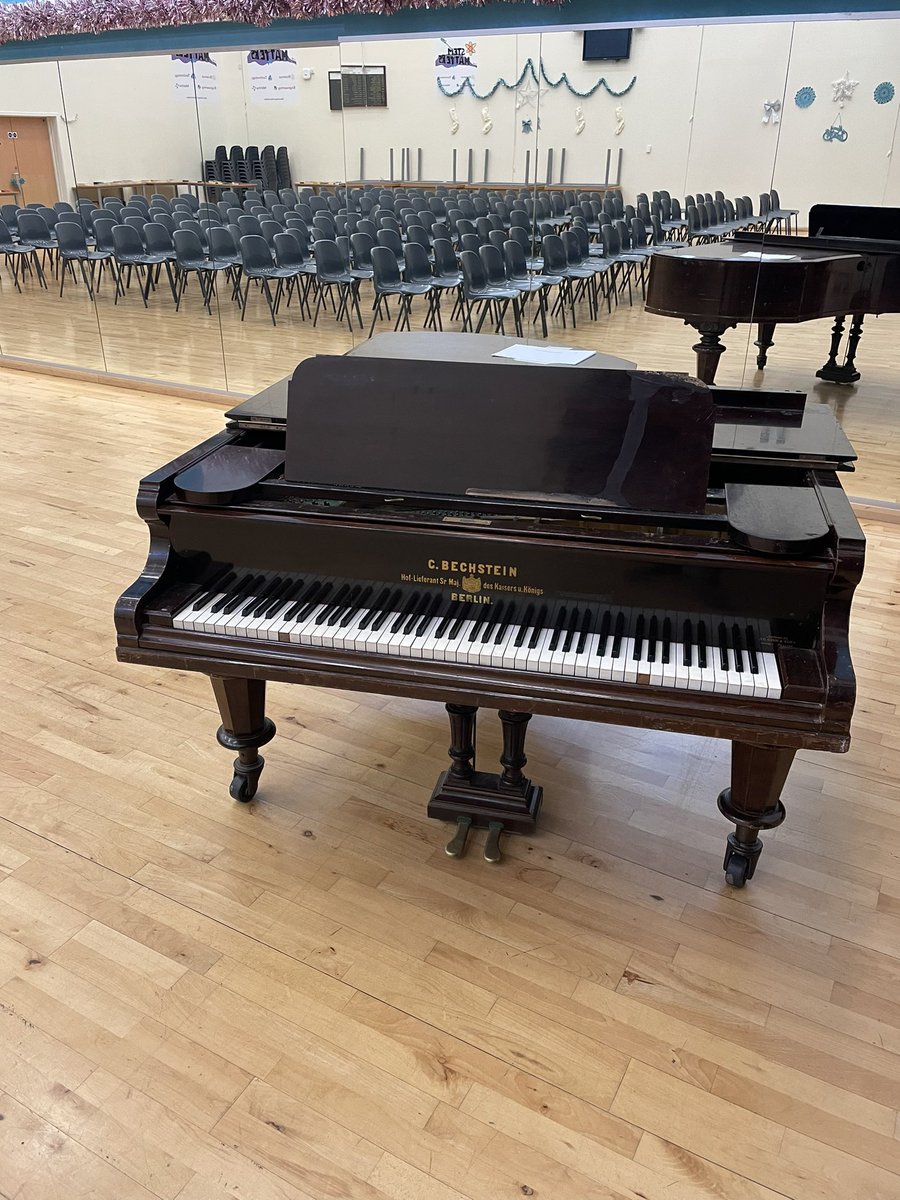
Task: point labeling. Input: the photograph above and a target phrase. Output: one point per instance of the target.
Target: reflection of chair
(390, 239)
(534, 285)
(332, 273)
(290, 254)
(256, 261)
(16, 251)
(73, 248)
(418, 272)
(477, 291)
(387, 282)
(130, 254)
(189, 257)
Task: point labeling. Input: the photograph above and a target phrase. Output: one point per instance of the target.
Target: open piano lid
(623, 439)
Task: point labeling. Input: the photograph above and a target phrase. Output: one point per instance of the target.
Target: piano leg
(753, 802)
(709, 349)
(245, 727)
(502, 803)
(846, 372)
(764, 341)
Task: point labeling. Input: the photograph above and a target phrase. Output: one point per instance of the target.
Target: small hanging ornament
(579, 119)
(620, 120)
(771, 112)
(884, 92)
(836, 131)
(805, 97)
(486, 123)
(454, 122)
(844, 89)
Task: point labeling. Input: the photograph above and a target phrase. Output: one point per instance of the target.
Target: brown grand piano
(611, 545)
(848, 265)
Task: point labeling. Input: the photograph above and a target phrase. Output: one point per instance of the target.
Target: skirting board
(181, 391)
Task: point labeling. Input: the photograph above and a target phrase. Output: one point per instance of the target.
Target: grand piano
(606, 544)
(848, 265)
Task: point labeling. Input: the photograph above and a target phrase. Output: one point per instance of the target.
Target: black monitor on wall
(606, 44)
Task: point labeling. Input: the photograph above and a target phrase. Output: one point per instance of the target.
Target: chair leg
(268, 293)
(376, 313)
(245, 298)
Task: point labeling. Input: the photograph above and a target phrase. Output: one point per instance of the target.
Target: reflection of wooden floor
(221, 352)
(307, 999)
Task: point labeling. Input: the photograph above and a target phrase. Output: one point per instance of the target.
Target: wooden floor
(306, 999)
(219, 351)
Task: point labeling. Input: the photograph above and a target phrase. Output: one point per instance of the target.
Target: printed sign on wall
(195, 77)
(454, 61)
(271, 76)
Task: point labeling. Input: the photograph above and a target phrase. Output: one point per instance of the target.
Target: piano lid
(629, 439)
(858, 221)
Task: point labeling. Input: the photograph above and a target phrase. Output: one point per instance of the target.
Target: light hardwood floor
(219, 351)
(307, 999)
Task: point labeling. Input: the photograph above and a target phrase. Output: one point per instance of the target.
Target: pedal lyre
(456, 847)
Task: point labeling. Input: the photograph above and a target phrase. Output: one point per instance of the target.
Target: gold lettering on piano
(497, 570)
(468, 599)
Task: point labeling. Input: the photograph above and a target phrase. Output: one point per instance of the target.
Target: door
(27, 175)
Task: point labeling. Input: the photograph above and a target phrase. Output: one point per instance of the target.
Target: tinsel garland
(529, 68)
(34, 19)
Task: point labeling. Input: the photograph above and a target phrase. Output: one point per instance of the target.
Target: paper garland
(535, 84)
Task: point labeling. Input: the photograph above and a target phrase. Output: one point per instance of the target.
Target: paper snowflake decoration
(884, 92)
(844, 88)
(805, 97)
(529, 94)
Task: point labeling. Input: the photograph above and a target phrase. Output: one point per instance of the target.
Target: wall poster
(195, 77)
(455, 61)
(271, 77)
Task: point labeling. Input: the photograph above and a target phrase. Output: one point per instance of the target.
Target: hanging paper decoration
(579, 119)
(620, 120)
(805, 97)
(530, 94)
(486, 123)
(532, 70)
(884, 92)
(454, 122)
(526, 126)
(771, 112)
(836, 131)
(844, 88)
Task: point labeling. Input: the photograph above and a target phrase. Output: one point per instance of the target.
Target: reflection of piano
(608, 545)
(850, 264)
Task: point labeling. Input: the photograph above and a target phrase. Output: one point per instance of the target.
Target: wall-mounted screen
(600, 44)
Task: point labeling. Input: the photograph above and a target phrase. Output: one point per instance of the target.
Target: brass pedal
(456, 847)
(492, 842)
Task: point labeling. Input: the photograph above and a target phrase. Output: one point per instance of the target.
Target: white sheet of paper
(761, 256)
(544, 355)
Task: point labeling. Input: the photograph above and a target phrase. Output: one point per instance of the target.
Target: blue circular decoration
(884, 93)
(805, 97)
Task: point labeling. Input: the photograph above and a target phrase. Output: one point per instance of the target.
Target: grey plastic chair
(331, 272)
(73, 248)
(476, 291)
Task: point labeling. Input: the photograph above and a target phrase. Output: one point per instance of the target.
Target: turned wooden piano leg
(709, 349)
(764, 341)
(845, 372)
(753, 802)
(245, 727)
(462, 766)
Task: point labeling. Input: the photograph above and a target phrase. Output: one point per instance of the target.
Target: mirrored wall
(456, 137)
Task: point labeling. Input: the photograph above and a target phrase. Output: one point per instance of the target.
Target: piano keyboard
(697, 651)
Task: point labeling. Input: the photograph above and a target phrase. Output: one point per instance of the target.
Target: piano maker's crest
(471, 583)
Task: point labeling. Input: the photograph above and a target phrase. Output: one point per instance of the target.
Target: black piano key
(377, 607)
(525, 626)
(687, 644)
(618, 634)
(570, 631)
(723, 646)
(538, 627)
(587, 621)
(335, 604)
(479, 619)
(418, 613)
(240, 600)
(751, 651)
(461, 618)
(267, 595)
(603, 636)
(736, 645)
(557, 628)
(430, 613)
(399, 621)
(314, 601)
(349, 606)
(638, 639)
(309, 593)
(496, 612)
(666, 651)
(443, 629)
(232, 592)
(220, 582)
(652, 638)
(390, 606)
(509, 618)
(701, 645)
(289, 593)
(361, 601)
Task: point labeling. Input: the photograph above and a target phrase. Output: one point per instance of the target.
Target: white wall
(692, 121)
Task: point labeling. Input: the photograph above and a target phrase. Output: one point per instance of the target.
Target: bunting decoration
(533, 86)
